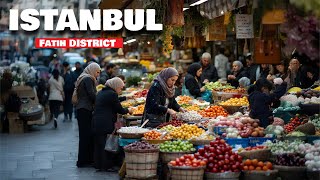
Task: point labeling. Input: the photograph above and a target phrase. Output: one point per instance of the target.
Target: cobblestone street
(45, 153)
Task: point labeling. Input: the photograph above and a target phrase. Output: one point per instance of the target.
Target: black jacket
(210, 73)
(107, 107)
(104, 76)
(193, 85)
(260, 103)
(86, 94)
(239, 75)
(251, 72)
(156, 100)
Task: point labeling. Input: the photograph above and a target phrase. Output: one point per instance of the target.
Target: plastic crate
(285, 115)
(220, 129)
(244, 142)
(254, 141)
(124, 142)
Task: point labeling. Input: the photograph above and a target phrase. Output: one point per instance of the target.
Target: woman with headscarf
(236, 74)
(56, 95)
(192, 80)
(86, 92)
(160, 99)
(107, 107)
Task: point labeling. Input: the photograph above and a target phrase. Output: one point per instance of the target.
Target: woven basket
(200, 142)
(169, 156)
(261, 154)
(260, 175)
(131, 135)
(313, 175)
(189, 173)
(224, 176)
(291, 173)
(141, 170)
(142, 157)
(231, 109)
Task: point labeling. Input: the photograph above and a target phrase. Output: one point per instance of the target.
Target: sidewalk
(45, 153)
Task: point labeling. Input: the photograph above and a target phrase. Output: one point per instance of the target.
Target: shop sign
(244, 26)
(216, 31)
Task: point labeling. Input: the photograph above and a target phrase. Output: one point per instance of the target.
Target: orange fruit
(260, 164)
(254, 162)
(258, 168)
(248, 162)
(269, 165)
(245, 168)
(265, 168)
(251, 168)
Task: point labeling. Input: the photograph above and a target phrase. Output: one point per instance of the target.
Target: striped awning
(215, 8)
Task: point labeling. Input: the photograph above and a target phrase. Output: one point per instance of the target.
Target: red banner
(79, 43)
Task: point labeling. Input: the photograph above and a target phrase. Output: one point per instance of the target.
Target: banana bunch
(99, 87)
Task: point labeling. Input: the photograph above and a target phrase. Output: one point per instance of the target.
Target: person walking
(68, 90)
(85, 88)
(56, 95)
(107, 107)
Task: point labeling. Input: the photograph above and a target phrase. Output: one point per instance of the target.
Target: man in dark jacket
(209, 72)
(68, 88)
(251, 69)
(76, 73)
(108, 73)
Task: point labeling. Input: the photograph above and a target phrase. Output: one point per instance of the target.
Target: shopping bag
(207, 96)
(112, 143)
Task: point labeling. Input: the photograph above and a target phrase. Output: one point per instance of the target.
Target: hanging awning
(215, 8)
(114, 4)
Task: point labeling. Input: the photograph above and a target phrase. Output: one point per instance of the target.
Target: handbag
(112, 143)
(74, 97)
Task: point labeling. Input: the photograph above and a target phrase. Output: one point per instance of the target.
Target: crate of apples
(256, 165)
(293, 124)
(213, 111)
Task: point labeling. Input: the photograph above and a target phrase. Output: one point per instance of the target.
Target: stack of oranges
(254, 164)
(213, 111)
(150, 135)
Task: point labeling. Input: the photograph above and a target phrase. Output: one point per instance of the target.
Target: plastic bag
(112, 143)
(207, 96)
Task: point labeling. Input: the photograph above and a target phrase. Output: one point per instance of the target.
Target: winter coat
(107, 107)
(86, 94)
(56, 89)
(239, 75)
(210, 73)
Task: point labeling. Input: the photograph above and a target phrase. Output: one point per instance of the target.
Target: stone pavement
(45, 153)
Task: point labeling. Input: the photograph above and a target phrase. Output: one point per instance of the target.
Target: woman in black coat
(86, 93)
(192, 80)
(237, 73)
(160, 99)
(107, 107)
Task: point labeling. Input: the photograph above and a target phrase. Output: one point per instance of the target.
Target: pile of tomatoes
(293, 124)
(188, 160)
(213, 111)
(254, 164)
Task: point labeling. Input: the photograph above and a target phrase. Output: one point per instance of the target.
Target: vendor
(160, 100)
(260, 99)
(210, 73)
(237, 73)
(192, 80)
(107, 106)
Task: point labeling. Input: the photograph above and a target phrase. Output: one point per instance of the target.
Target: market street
(44, 153)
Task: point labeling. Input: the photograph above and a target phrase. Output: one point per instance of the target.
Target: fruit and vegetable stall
(218, 140)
